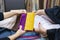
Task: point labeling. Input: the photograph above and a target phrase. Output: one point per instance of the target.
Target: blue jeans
(7, 32)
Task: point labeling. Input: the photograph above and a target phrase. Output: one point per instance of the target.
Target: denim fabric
(54, 14)
(7, 32)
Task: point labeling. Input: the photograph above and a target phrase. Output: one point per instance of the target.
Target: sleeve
(54, 14)
(6, 38)
(1, 16)
(51, 34)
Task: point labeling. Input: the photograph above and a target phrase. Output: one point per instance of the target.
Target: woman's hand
(40, 12)
(17, 34)
(20, 31)
(18, 11)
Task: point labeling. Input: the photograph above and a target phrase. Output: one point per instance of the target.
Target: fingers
(39, 25)
(40, 12)
(37, 29)
(42, 30)
(19, 11)
(20, 27)
(23, 11)
(37, 12)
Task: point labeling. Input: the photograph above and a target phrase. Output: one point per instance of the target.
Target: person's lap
(6, 32)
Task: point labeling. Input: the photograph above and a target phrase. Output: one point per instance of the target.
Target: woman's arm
(12, 13)
(52, 13)
(40, 12)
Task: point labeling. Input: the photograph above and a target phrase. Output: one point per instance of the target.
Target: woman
(54, 15)
(5, 15)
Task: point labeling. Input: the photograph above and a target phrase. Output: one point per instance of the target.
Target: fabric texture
(9, 22)
(44, 21)
(6, 38)
(1, 16)
(54, 14)
(53, 34)
(5, 32)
